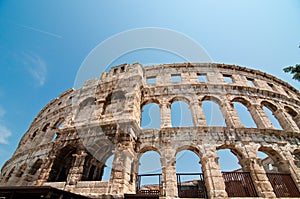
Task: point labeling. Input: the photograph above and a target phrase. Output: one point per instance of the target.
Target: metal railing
(239, 184)
(283, 185)
(156, 189)
(194, 187)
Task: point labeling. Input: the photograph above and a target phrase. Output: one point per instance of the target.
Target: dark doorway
(62, 164)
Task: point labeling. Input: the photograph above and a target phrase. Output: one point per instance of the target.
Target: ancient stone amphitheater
(70, 140)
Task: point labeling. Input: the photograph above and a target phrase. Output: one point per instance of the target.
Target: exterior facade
(70, 140)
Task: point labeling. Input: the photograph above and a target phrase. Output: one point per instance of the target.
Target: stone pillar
(285, 121)
(288, 166)
(169, 178)
(254, 165)
(45, 171)
(134, 172)
(121, 170)
(198, 114)
(230, 115)
(165, 115)
(259, 116)
(213, 177)
(76, 170)
(260, 180)
(297, 120)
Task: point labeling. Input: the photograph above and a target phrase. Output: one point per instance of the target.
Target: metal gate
(283, 185)
(192, 188)
(152, 190)
(239, 184)
(140, 196)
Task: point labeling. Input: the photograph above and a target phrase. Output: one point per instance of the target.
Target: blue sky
(43, 43)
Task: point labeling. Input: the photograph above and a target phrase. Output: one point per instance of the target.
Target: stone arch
(117, 99)
(92, 169)
(213, 99)
(146, 149)
(181, 114)
(296, 156)
(230, 151)
(276, 123)
(45, 128)
(149, 101)
(216, 105)
(148, 168)
(180, 98)
(86, 109)
(294, 115)
(241, 106)
(274, 160)
(58, 124)
(101, 148)
(242, 100)
(33, 135)
(150, 116)
(35, 167)
(62, 164)
(9, 174)
(189, 148)
(189, 178)
(87, 102)
(291, 111)
(21, 170)
(269, 105)
(235, 150)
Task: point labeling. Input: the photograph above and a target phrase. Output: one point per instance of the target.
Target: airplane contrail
(40, 31)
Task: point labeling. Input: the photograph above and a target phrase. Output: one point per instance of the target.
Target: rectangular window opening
(151, 80)
(228, 78)
(202, 77)
(115, 71)
(251, 82)
(272, 86)
(122, 69)
(176, 78)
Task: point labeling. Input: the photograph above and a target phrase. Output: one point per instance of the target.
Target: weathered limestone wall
(86, 126)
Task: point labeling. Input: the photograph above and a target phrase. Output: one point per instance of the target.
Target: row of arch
(190, 166)
(150, 162)
(19, 172)
(215, 112)
(61, 167)
(46, 127)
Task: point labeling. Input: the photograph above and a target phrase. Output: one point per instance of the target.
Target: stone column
(45, 171)
(213, 177)
(288, 166)
(76, 170)
(259, 116)
(254, 165)
(165, 115)
(121, 170)
(260, 180)
(134, 172)
(285, 121)
(230, 115)
(169, 178)
(297, 120)
(198, 114)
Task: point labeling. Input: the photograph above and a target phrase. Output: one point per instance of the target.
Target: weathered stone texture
(69, 141)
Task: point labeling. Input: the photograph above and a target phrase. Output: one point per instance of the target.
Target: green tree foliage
(294, 70)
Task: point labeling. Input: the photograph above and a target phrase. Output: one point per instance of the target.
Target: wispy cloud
(36, 66)
(4, 131)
